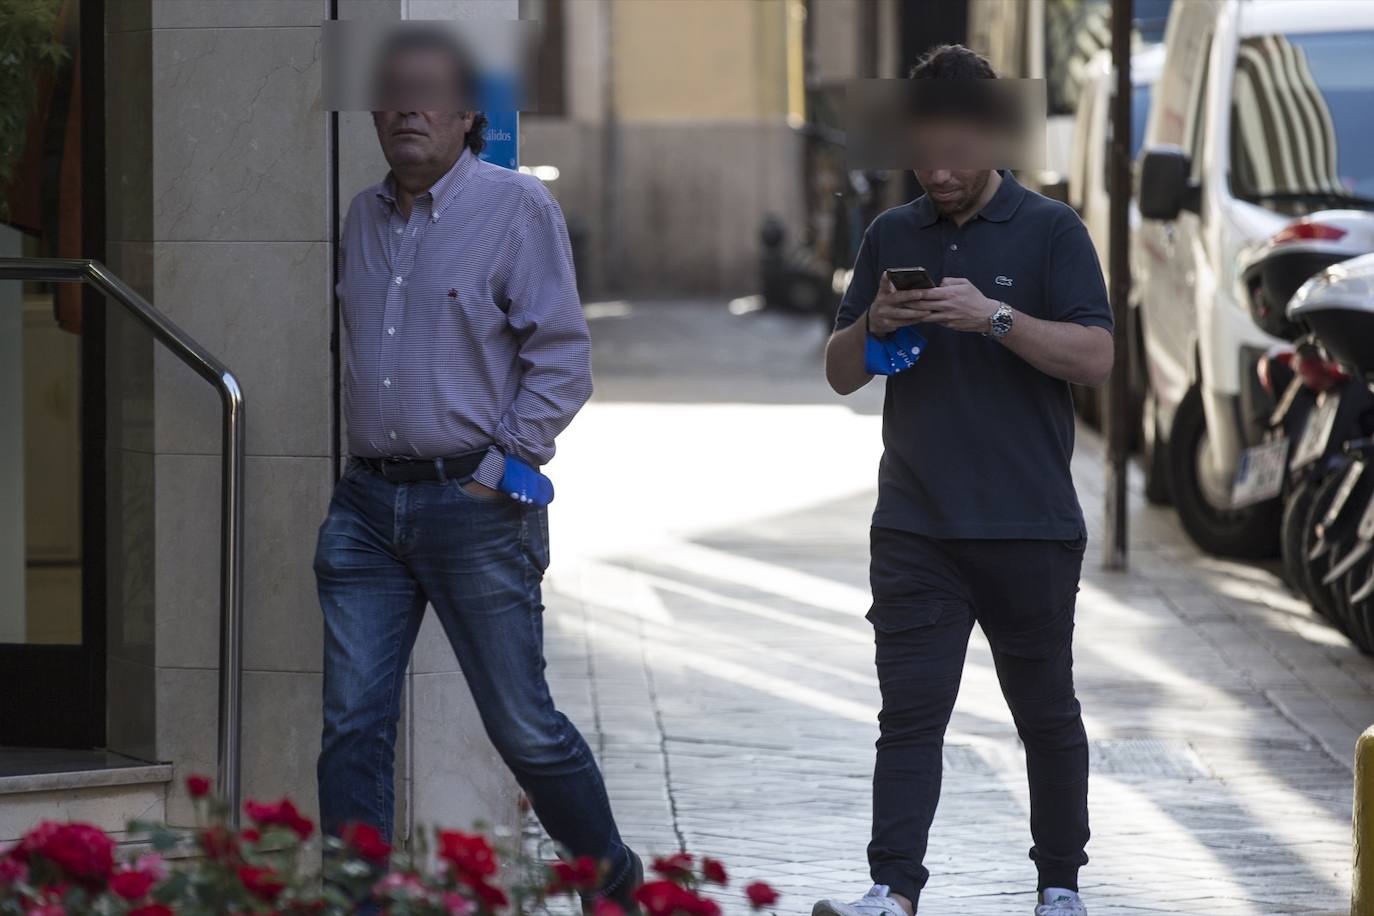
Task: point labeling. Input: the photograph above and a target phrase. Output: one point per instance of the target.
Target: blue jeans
(385, 551)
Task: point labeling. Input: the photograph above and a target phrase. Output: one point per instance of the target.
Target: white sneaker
(876, 902)
(1061, 903)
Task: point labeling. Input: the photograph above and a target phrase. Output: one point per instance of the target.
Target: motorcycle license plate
(1348, 482)
(1260, 474)
(1317, 432)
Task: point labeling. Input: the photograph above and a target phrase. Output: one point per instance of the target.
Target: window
(1300, 121)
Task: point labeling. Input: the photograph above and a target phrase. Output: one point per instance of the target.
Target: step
(96, 787)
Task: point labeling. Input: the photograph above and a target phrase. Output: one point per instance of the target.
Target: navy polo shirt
(977, 441)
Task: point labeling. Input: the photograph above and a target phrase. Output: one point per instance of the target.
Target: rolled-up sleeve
(546, 316)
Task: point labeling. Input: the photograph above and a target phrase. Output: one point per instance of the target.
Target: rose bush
(70, 869)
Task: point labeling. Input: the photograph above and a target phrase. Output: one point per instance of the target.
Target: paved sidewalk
(706, 631)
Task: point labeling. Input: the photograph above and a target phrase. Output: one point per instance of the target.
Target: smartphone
(905, 278)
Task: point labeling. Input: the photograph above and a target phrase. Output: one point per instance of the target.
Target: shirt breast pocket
(469, 306)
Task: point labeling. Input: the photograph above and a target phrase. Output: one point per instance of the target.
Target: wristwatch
(999, 322)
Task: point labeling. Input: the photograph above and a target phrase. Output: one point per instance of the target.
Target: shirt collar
(444, 190)
(1001, 208)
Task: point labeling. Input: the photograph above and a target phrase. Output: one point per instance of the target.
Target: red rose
(218, 844)
(713, 870)
(367, 842)
(152, 909)
(262, 883)
(760, 895)
(584, 874)
(469, 854)
(665, 898)
(250, 835)
(676, 867)
(280, 814)
(603, 907)
(198, 786)
(131, 885)
(489, 895)
(84, 852)
(12, 871)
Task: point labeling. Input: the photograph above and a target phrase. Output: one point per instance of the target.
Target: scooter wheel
(1295, 537)
(1359, 612)
(1310, 573)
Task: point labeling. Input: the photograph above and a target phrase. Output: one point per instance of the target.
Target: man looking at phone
(977, 519)
(466, 353)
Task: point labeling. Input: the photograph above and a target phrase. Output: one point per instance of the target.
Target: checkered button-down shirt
(462, 326)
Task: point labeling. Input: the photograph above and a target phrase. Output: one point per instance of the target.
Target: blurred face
(426, 131)
(953, 162)
(954, 191)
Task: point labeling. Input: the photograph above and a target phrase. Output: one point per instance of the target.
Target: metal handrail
(70, 270)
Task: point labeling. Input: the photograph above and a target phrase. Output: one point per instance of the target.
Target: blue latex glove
(524, 484)
(893, 354)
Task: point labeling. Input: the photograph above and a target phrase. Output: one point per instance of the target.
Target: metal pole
(230, 749)
(1119, 408)
(67, 270)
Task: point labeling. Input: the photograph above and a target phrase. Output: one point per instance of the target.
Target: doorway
(52, 454)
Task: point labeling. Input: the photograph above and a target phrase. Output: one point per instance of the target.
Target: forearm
(1072, 352)
(544, 406)
(844, 359)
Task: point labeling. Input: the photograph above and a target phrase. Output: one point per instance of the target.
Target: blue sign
(500, 105)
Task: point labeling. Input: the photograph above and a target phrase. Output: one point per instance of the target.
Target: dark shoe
(622, 893)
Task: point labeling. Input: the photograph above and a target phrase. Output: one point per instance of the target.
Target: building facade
(222, 186)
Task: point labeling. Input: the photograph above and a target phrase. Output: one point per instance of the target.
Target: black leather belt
(418, 470)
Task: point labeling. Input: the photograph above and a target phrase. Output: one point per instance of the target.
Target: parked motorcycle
(1313, 411)
(1337, 306)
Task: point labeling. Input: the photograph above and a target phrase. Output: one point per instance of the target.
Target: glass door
(52, 689)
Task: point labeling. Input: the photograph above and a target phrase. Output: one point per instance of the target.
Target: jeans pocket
(461, 487)
(890, 618)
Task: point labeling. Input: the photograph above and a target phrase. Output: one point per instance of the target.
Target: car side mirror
(1166, 185)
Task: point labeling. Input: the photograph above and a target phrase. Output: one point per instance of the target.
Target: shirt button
(392, 434)
(399, 230)
(386, 383)
(434, 218)
(391, 331)
(400, 280)
(951, 248)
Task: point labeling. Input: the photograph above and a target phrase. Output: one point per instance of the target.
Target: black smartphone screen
(905, 278)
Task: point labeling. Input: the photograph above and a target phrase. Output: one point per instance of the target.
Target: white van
(1089, 177)
(1264, 111)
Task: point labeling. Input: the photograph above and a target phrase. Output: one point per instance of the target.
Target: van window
(1301, 128)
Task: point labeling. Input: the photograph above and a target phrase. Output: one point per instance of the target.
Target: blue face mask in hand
(893, 354)
(524, 484)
